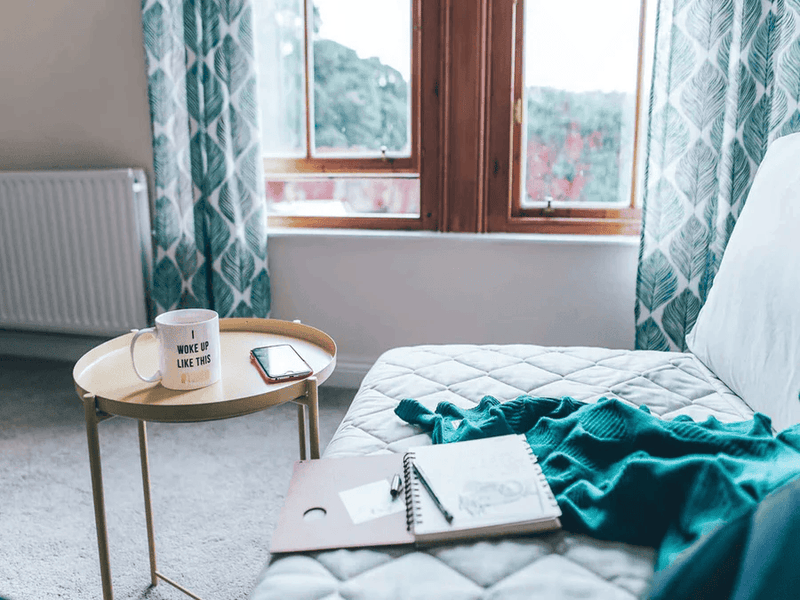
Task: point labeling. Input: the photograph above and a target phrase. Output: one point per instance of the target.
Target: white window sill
(516, 238)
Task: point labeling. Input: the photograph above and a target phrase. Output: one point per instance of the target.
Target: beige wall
(73, 91)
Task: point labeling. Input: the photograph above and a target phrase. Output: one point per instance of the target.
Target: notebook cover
(317, 484)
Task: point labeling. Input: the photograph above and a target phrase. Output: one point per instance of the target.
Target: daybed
(745, 353)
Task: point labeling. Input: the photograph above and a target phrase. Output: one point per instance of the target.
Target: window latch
(518, 111)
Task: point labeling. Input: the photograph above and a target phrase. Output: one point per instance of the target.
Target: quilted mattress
(552, 566)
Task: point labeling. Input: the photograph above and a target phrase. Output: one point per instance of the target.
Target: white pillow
(748, 331)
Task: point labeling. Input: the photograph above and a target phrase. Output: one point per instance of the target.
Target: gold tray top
(107, 373)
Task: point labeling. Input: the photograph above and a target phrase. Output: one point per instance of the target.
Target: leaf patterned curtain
(726, 82)
(209, 224)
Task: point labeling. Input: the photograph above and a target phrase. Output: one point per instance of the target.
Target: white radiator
(75, 251)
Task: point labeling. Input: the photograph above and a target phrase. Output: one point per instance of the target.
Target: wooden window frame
(466, 74)
(425, 153)
(504, 205)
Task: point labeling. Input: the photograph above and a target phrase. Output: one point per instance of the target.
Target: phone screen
(281, 362)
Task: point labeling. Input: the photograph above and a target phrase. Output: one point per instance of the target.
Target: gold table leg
(301, 429)
(308, 409)
(148, 510)
(313, 417)
(90, 413)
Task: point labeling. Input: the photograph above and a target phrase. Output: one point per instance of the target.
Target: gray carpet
(217, 491)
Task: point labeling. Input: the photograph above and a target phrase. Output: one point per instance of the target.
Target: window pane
(343, 197)
(362, 74)
(281, 77)
(580, 62)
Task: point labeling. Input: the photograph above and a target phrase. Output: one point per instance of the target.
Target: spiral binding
(413, 508)
(545, 486)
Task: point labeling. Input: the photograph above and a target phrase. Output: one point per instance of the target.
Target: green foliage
(578, 144)
(358, 103)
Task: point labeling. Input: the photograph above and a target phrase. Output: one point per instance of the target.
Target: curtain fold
(209, 222)
(726, 83)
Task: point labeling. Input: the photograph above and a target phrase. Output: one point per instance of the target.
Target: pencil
(446, 513)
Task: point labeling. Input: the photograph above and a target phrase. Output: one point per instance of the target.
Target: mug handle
(137, 333)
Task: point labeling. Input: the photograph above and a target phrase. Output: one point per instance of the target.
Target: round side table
(105, 380)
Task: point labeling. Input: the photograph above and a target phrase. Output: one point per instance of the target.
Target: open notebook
(492, 486)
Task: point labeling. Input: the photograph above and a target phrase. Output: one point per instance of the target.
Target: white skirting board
(349, 373)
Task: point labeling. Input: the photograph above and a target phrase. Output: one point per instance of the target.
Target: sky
(379, 28)
(594, 52)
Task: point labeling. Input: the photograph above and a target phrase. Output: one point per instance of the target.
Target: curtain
(726, 82)
(209, 221)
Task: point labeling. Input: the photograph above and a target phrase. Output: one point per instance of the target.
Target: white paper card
(371, 501)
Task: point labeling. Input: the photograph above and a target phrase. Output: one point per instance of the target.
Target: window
(342, 111)
(576, 83)
(453, 116)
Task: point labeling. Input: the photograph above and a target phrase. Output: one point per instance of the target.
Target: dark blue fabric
(753, 557)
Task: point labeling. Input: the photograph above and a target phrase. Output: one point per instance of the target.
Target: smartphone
(279, 363)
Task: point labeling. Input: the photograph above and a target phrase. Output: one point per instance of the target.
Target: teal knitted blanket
(622, 474)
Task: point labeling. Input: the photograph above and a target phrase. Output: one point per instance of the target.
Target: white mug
(188, 349)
